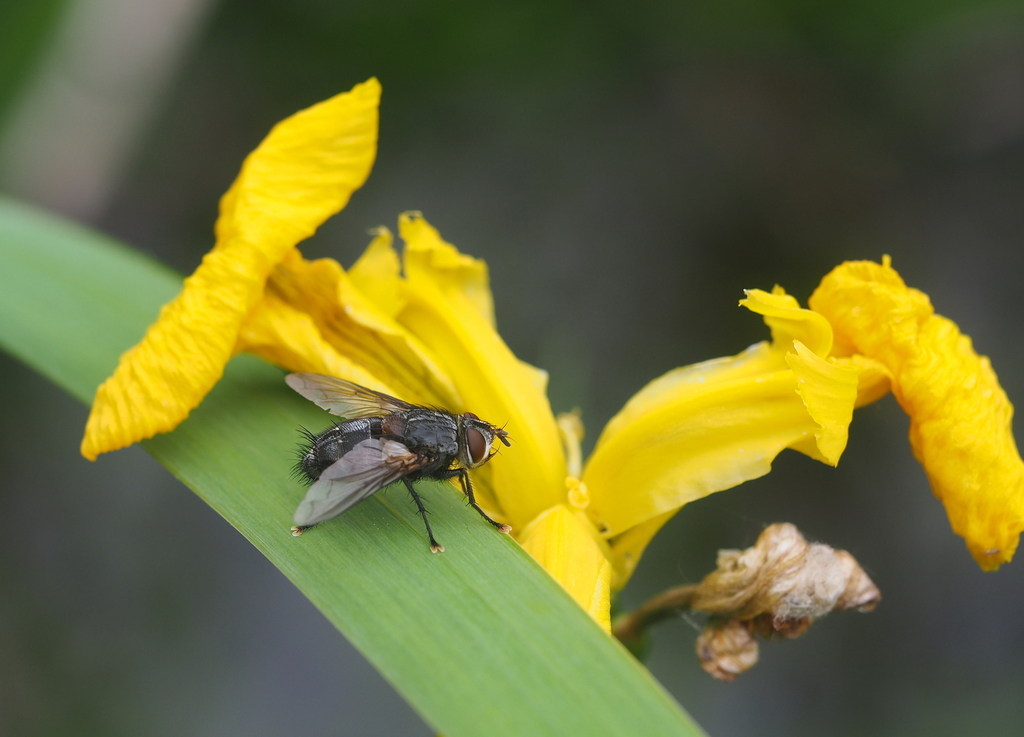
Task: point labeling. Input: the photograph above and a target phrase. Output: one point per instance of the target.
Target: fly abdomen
(319, 452)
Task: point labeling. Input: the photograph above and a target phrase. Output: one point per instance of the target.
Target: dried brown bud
(727, 649)
(786, 579)
(771, 627)
(860, 592)
(775, 589)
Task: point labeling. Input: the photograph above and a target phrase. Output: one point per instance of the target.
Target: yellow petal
(706, 428)
(277, 332)
(873, 378)
(788, 322)
(711, 426)
(302, 173)
(378, 274)
(756, 361)
(358, 330)
(570, 427)
(562, 543)
(450, 271)
(447, 310)
(960, 418)
(828, 392)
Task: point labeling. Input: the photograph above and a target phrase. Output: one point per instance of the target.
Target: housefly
(382, 440)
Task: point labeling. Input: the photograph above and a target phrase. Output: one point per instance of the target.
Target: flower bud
(786, 580)
(727, 649)
(776, 589)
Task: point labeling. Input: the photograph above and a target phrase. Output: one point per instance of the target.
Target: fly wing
(367, 468)
(343, 398)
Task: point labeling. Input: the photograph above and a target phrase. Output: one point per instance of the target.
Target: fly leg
(467, 489)
(435, 547)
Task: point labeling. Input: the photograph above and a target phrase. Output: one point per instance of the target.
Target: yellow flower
(421, 327)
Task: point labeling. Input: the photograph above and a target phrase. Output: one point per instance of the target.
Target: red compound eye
(477, 445)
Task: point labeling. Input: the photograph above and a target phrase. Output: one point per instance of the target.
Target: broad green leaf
(480, 640)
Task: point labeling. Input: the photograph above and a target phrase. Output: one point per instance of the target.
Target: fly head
(476, 438)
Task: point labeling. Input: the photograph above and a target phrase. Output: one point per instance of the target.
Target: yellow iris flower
(421, 327)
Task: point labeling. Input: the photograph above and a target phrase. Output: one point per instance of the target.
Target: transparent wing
(343, 398)
(367, 468)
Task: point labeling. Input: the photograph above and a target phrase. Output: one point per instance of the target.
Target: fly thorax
(431, 432)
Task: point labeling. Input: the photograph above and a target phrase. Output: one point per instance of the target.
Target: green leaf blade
(479, 639)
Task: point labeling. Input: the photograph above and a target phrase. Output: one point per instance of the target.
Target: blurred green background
(626, 170)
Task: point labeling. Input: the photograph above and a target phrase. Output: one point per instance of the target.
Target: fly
(382, 440)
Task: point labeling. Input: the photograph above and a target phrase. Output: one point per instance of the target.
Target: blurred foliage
(26, 28)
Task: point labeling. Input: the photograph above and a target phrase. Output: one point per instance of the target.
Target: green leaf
(480, 640)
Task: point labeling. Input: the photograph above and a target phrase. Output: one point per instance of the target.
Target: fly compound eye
(477, 446)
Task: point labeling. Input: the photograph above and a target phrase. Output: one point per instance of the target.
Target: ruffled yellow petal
(565, 546)
(302, 173)
(448, 310)
(960, 418)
